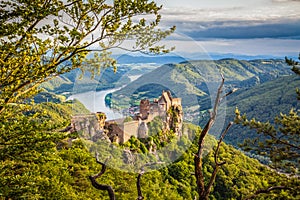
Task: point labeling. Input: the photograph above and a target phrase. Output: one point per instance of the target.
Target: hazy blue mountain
(181, 57)
(164, 59)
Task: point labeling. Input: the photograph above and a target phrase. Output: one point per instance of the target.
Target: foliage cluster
(46, 165)
(278, 140)
(263, 102)
(38, 42)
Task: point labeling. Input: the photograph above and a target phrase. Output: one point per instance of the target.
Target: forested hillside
(262, 102)
(60, 169)
(76, 81)
(194, 81)
(241, 176)
(70, 163)
(261, 89)
(66, 163)
(50, 50)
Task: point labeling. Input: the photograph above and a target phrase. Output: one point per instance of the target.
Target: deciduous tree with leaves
(43, 39)
(40, 40)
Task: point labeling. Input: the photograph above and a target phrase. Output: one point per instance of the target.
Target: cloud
(242, 30)
(236, 22)
(251, 47)
(276, 1)
(258, 27)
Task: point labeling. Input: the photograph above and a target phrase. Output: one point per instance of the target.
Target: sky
(248, 27)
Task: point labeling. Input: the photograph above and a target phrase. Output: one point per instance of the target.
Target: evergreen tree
(280, 141)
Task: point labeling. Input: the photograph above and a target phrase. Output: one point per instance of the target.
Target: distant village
(95, 126)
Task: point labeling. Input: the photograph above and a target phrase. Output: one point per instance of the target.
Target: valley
(260, 88)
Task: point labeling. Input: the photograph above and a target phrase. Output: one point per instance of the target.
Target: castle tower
(143, 130)
(144, 108)
(165, 101)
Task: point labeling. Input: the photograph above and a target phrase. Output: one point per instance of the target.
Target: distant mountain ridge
(193, 81)
(128, 59)
(182, 56)
(264, 89)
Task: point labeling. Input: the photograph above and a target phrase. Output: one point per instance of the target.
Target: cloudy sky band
(250, 27)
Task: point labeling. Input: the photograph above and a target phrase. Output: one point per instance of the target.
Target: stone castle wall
(144, 108)
(176, 102)
(129, 129)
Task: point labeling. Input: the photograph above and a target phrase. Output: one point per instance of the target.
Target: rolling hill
(75, 82)
(196, 81)
(264, 89)
(128, 65)
(263, 102)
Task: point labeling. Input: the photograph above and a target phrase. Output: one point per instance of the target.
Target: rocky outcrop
(175, 119)
(88, 127)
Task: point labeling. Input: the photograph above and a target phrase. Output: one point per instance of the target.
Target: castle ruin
(166, 107)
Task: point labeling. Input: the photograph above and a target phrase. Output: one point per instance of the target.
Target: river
(95, 102)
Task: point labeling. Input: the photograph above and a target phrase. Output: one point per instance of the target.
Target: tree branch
(99, 186)
(217, 164)
(198, 157)
(268, 190)
(138, 185)
(219, 144)
(138, 181)
(29, 29)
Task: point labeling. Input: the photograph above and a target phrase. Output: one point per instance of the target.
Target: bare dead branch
(217, 164)
(229, 93)
(138, 185)
(219, 144)
(99, 186)
(198, 157)
(203, 190)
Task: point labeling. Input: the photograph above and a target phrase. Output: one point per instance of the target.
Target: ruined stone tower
(144, 108)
